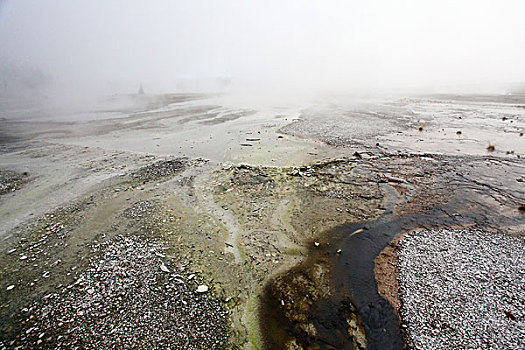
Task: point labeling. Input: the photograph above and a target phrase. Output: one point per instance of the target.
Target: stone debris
(463, 289)
(123, 300)
(11, 181)
(161, 169)
(302, 171)
(139, 210)
(55, 228)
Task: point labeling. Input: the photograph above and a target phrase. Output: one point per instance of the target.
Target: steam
(87, 48)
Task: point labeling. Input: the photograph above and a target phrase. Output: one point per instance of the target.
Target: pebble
(10, 287)
(164, 268)
(202, 289)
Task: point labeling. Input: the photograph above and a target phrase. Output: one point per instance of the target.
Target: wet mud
(331, 300)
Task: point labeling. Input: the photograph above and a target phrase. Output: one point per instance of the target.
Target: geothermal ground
(195, 221)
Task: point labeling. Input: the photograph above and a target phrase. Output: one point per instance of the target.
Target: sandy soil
(306, 171)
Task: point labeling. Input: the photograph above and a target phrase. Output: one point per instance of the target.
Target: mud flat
(276, 242)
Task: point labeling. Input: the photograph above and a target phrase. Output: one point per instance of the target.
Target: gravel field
(130, 297)
(463, 289)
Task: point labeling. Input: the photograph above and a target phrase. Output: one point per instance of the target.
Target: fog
(90, 48)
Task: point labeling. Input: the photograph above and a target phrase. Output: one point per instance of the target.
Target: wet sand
(239, 228)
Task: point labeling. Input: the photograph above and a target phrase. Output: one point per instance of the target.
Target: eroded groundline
(331, 300)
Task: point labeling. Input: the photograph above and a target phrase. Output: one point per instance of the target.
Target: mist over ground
(293, 175)
(76, 51)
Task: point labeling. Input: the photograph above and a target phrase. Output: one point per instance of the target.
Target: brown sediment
(387, 276)
(387, 272)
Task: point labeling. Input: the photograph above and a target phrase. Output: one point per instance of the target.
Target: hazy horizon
(87, 48)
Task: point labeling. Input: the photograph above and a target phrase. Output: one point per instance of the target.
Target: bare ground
(231, 227)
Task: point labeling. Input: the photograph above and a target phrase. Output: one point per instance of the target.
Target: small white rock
(10, 287)
(316, 244)
(202, 289)
(164, 268)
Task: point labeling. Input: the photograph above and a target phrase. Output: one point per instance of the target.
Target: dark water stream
(331, 300)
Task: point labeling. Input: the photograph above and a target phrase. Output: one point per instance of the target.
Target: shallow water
(294, 309)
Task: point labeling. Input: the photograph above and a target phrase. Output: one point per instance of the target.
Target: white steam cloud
(273, 45)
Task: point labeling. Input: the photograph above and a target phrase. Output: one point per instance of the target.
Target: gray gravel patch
(463, 289)
(130, 297)
(161, 169)
(139, 210)
(10, 180)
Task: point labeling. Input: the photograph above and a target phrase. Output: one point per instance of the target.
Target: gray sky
(276, 44)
